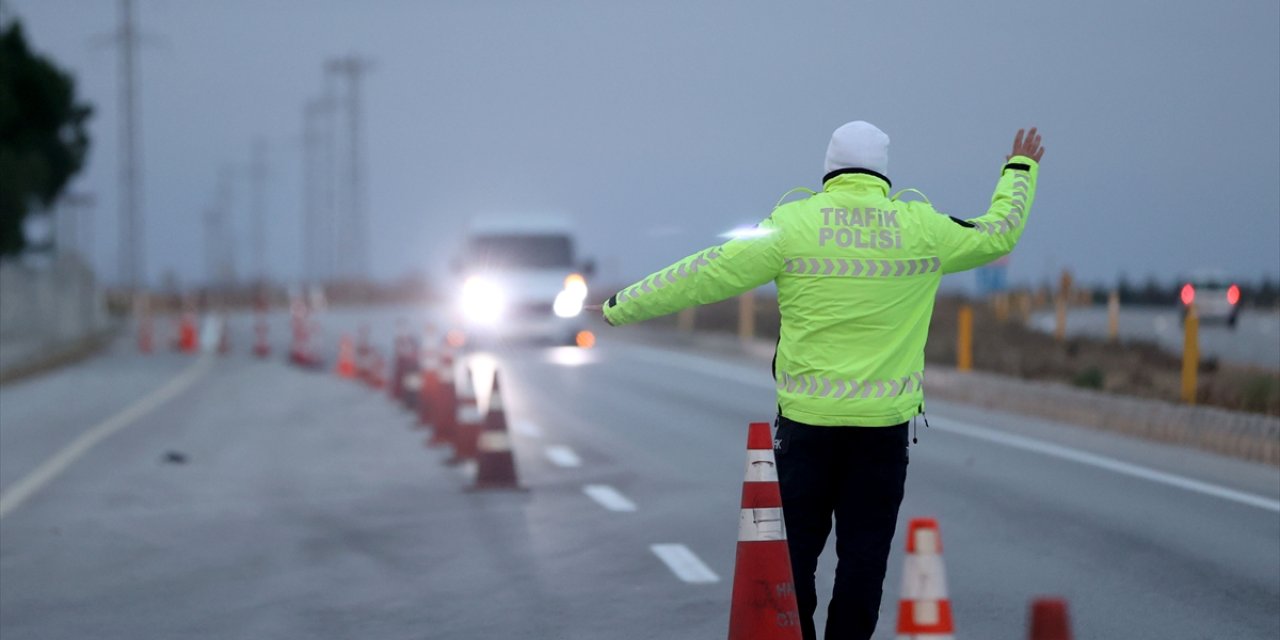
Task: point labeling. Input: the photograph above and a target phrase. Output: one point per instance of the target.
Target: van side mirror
(588, 268)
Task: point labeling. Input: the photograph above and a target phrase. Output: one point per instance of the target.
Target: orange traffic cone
(924, 611)
(346, 358)
(440, 401)
(429, 390)
(764, 594)
(261, 347)
(1049, 619)
(187, 341)
(496, 468)
(469, 423)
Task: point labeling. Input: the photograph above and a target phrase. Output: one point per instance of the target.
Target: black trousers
(856, 474)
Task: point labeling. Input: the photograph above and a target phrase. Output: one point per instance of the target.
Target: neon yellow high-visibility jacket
(857, 273)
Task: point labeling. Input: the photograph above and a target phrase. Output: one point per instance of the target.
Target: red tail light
(1188, 294)
(1233, 294)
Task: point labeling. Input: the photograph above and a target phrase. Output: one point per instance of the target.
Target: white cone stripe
(495, 403)
(494, 441)
(761, 466)
(926, 540)
(413, 381)
(926, 612)
(682, 562)
(563, 456)
(924, 578)
(609, 498)
(761, 525)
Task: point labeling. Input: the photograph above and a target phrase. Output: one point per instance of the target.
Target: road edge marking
(703, 364)
(20, 491)
(1102, 462)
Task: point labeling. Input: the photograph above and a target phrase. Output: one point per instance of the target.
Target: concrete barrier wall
(46, 308)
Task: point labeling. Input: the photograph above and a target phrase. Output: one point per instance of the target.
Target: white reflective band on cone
(926, 541)
(924, 578)
(412, 381)
(760, 466)
(761, 525)
(495, 441)
(925, 612)
(495, 402)
(468, 413)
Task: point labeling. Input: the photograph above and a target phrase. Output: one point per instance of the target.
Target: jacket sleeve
(965, 244)
(707, 276)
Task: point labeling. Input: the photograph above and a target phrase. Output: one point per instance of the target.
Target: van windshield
(520, 251)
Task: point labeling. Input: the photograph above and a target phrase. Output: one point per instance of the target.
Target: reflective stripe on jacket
(856, 273)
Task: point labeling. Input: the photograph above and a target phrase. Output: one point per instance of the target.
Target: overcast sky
(658, 125)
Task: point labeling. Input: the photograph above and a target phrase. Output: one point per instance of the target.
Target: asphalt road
(255, 500)
(1254, 341)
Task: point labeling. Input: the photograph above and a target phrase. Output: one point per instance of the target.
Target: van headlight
(483, 301)
(568, 303)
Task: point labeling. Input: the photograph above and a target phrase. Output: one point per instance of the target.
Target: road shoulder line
(50, 469)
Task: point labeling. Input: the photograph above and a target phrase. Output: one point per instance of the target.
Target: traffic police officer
(856, 271)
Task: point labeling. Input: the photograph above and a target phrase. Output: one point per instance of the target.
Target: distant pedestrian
(857, 272)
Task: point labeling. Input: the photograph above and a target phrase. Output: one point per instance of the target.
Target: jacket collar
(855, 178)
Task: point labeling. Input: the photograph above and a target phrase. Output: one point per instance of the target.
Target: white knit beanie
(858, 145)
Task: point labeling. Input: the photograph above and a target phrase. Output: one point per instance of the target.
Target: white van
(520, 277)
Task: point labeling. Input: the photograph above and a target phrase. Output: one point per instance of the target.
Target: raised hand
(1028, 146)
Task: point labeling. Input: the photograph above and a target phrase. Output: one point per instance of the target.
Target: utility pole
(312, 235)
(258, 208)
(218, 251)
(327, 174)
(132, 244)
(352, 68)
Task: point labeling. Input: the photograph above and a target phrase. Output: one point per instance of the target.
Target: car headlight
(483, 301)
(568, 304)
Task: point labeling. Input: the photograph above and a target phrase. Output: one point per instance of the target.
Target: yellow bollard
(1190, 355)
(747, 316)
(685, 320)
(964, 339)
(1113, 316)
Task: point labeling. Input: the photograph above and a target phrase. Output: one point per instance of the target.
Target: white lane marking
(1110, 464)
(609, 498)
(18, 493)
(682, 562)
(563, 456)
(736, 373)
(527, 428)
